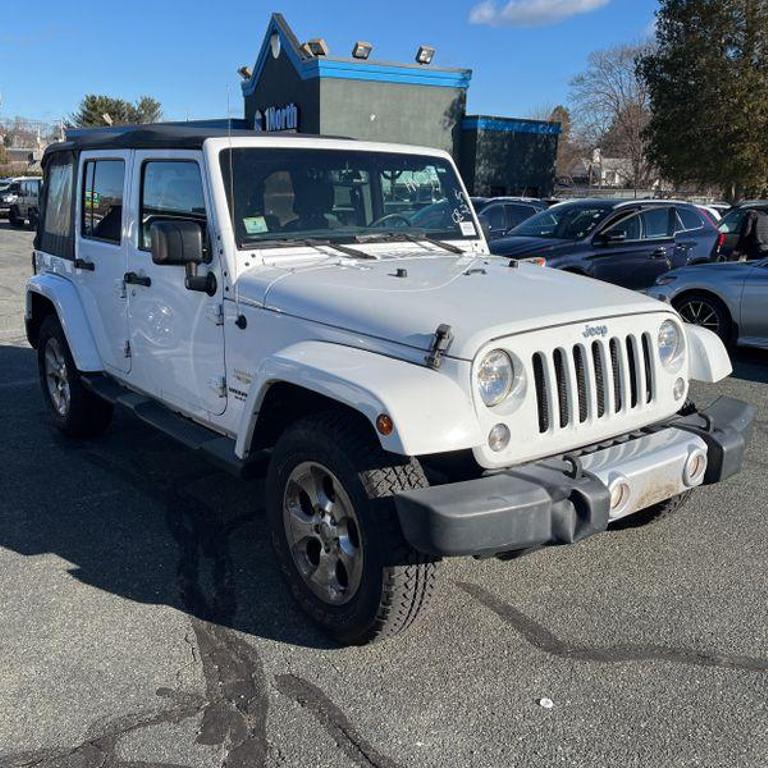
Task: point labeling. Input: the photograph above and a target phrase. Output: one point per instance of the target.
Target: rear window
(102, 200)
(56, 233)
(656, 223)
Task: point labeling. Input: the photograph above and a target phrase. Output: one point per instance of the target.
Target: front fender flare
(708, 359)
(430, 411)
(69, 309)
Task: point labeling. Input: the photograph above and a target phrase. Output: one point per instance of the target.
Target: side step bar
(216, 448)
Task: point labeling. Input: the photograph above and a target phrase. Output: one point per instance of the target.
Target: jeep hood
(481, 298)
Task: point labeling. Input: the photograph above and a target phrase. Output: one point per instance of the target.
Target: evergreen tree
(94, 109)
(708, 84)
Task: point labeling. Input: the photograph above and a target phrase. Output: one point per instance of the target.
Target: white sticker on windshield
(467, 229)
(255, 225)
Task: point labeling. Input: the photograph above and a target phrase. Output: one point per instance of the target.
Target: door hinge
(127, 349)
(219, 385)
(215, 313)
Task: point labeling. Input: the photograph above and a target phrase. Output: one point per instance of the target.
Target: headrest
(312, 197)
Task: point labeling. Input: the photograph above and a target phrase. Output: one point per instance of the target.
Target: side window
(495, 216)
(517, 214)
(630, 227)
(56, 236)
(656, 223)
(170, 189)
(102, 200)
(688, 219)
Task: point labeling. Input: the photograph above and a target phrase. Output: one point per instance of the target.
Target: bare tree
(611, 107)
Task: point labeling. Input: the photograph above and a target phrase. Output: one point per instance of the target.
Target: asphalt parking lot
(143, 621)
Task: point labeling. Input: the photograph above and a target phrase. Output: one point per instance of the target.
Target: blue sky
(522, 52)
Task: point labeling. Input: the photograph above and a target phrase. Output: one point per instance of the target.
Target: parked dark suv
(500, 215)
(744, 232)
(629, 243)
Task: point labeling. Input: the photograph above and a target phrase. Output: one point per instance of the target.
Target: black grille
(579, 361)
(562, 387)
(597, 360)
(542, 401)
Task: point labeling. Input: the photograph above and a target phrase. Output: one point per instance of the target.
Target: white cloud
(530, 13)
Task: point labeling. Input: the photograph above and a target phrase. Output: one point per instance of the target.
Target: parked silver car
(729, 299)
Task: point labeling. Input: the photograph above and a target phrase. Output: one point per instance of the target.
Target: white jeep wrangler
(328, 310)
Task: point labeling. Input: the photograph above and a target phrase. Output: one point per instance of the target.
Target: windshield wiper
(422, 236)
(318, 245)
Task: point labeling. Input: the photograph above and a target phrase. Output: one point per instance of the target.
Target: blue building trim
(504, 125)
(349, 69)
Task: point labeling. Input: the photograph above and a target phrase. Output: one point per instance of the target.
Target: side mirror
(610, 238)
(176, 243)
(180, 243)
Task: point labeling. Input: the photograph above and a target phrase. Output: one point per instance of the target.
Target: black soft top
(155, 137)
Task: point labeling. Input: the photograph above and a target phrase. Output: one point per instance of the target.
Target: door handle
(660, 253)
(88, 266)
(131, 278)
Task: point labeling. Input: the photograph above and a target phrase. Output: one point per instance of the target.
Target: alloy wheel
(56, 376)
(699, 312)
(323, 533)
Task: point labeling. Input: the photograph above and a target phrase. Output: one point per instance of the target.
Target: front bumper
(565, 499)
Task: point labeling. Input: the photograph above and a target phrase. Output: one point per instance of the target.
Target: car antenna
(240, 318)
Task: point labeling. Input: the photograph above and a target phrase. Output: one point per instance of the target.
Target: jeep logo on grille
(595, 330)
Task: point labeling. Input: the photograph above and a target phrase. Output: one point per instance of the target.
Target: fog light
(498, 438)
(695, 467)
(679, 389)
(620, 493)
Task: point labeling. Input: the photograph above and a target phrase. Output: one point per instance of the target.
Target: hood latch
(440, 343)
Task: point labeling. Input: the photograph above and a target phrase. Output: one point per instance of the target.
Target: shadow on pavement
(750, 365)
(138, 516)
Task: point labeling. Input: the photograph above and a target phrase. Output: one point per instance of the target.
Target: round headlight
(494, 377)
(670, 343)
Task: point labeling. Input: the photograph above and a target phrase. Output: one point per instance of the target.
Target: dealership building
(301, 87)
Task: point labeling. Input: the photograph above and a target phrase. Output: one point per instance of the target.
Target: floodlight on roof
(317, 46)
(361, 50)
(425, 54)
(245, 72)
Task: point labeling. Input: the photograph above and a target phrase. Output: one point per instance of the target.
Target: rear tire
(342, 552)
(75, 411)
(707, 312)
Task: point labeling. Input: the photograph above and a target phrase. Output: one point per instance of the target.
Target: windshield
(294, 194)
(564, 222)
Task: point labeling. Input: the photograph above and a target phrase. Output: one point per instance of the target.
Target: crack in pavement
(101, 750)
(540, 637)
(333, 720)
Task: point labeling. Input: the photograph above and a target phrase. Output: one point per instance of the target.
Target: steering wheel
(391, 217)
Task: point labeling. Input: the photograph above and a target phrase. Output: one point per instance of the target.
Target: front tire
(335, 529)
(75, 411)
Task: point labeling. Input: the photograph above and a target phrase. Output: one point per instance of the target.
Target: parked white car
(268, 300)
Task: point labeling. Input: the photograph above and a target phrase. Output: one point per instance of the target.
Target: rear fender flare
(62, 294)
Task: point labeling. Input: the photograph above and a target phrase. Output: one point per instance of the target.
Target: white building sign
(277, 119)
